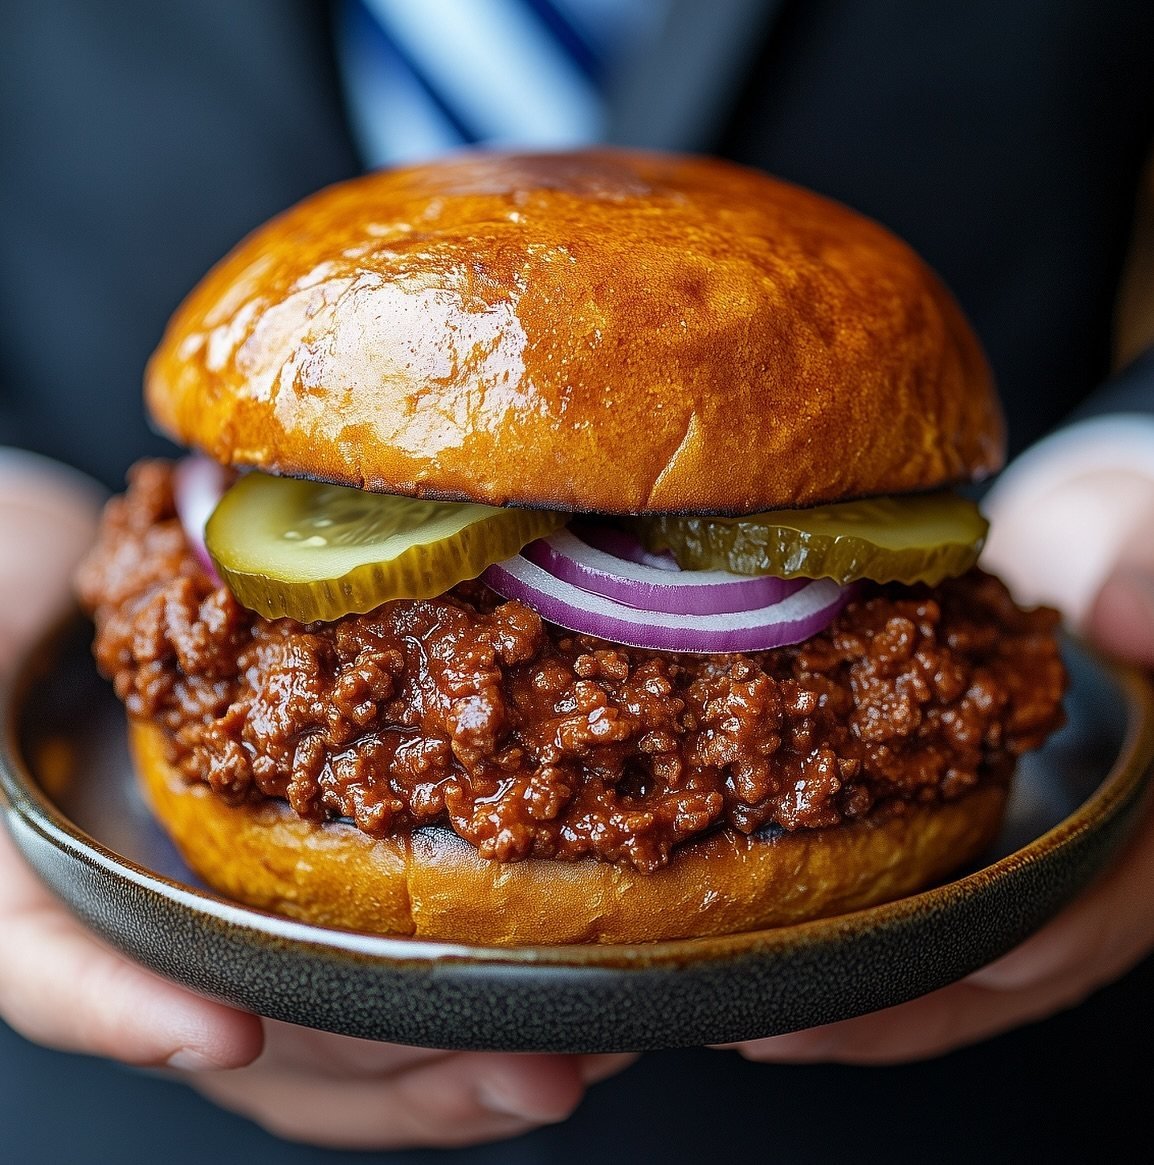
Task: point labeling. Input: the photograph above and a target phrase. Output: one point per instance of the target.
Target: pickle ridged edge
(846, 542)
(256, 516)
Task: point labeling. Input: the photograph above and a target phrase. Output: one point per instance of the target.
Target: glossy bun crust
(606, 331)
(433, 885)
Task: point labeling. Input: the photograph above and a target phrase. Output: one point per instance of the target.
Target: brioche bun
(607, 331)
(434, 885)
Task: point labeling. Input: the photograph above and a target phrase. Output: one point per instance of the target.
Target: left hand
(1110, 927)
(61, 987)
(345, 1093)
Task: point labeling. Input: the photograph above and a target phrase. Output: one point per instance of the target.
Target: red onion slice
(621, 544)
(198, 484)
(648, 588)
(792, 620)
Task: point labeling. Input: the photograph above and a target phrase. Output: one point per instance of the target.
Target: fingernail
(493, 1096)
(190, 1060)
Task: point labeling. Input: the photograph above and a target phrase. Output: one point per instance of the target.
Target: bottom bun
(434, 885)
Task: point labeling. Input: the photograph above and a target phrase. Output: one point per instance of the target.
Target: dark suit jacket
(139, 140)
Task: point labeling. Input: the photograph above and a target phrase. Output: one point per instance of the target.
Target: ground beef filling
(528, 740)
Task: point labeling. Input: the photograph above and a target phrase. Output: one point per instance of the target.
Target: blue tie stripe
(377, 53)
(426, 76)
(582, 49)
(391, 113)
(493, 59)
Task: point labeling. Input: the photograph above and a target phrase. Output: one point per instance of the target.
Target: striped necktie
(426, 76)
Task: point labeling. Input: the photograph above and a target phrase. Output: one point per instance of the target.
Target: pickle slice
(921, 538)
(308, 551)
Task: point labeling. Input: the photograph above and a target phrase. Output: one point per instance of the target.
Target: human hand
(356, 1094)
(1084, 542)
(1082, 539)
(62, 988)
(58, 985)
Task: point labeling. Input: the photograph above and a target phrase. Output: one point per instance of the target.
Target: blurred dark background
(1071, 1090)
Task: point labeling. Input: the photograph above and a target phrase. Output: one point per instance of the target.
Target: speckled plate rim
(22, 799)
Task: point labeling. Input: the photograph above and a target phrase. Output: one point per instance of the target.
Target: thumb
(48, 516)
(1121, 618)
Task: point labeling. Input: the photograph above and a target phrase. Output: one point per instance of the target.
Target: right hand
(61, 987)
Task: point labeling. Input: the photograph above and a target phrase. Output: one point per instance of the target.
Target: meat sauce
(529, 740)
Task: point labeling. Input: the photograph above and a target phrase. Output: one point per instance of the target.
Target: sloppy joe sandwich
(570, 553)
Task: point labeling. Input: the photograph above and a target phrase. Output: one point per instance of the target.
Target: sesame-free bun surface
(605, 331)
(434, 885)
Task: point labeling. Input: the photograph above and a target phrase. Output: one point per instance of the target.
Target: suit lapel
(680, 92)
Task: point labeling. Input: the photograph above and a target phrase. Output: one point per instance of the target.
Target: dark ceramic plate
(73, 810)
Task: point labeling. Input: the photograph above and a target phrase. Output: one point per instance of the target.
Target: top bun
(608, 331)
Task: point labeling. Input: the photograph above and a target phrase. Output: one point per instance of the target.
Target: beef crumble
(529, 740)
